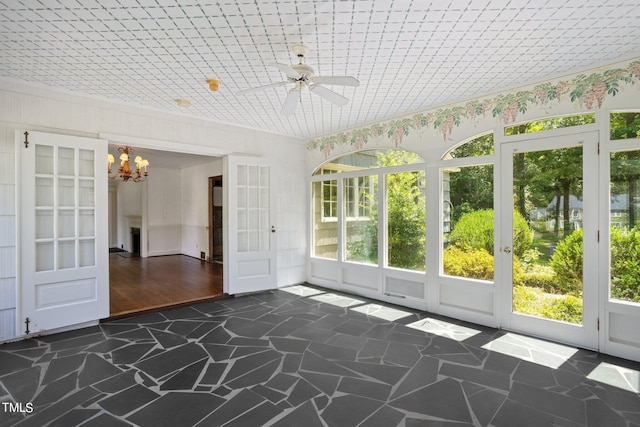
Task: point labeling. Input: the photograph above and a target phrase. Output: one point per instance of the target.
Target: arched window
(368, 159)
(480, 145)
(467, 209)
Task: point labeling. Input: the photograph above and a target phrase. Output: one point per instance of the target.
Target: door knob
(273, 228)
(507, 250)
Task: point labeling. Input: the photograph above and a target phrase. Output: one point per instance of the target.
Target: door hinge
(598, 326)
(598, 236)
(598, 148)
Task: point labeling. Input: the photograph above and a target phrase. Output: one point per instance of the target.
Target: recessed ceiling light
(183, 102)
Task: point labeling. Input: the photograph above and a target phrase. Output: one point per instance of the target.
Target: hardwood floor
(142, 284)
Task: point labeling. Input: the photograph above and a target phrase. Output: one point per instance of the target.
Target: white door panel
(250, 261)
(63, 231)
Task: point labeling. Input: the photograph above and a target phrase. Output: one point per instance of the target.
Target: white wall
(24, 107)
(164, 212)
(7, 232)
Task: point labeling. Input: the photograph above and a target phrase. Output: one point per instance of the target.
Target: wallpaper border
(587, 90)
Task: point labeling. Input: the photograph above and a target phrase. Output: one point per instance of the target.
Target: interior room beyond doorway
(160, 246)
(139, 284)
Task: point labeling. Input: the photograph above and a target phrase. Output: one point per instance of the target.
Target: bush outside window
(467, 202)
(361, 234)
(624, 210)
(624, 267)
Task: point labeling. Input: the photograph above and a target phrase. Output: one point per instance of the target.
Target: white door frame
(619, 333)
(585, 335)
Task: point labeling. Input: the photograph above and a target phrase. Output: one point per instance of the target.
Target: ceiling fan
(302, 75)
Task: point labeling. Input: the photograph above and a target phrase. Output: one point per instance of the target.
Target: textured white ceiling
(409, 55)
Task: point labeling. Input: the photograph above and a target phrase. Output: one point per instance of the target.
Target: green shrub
(530, 258)
(475, 229)
(535, 302)
(566, 308)
(625, 264)
(526, 272)
(468, 262)
(567, 263)
(539, 277)
(522, 234)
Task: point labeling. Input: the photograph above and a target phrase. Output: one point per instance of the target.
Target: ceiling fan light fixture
(214, 84)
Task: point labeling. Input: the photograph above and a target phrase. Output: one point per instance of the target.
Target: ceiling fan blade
(255, 89)
(336, 80)
(290, 103)
(287, 70)
(329, 95)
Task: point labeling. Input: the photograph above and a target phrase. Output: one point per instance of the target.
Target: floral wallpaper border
(587, 90)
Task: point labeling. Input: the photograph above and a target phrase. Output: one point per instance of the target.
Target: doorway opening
(215, 219)
(135, 240)
(157, 250)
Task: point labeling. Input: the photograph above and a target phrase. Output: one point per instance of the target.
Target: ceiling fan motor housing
(303, 69)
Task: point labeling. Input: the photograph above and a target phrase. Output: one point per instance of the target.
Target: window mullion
(382, 222)
(341, 220)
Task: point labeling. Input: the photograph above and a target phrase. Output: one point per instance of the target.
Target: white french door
(63, 247)
(250, 244)
(552, 182)
(620, 246)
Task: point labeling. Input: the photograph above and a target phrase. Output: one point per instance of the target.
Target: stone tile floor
(304, 356)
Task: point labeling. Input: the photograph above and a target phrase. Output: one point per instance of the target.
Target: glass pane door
(624, 226)
(548, 212)
(620, 334)
(253, 208)
(548, 219)
(64, 208)
(250, 255)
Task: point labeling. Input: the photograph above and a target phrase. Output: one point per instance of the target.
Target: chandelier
(124, 172)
